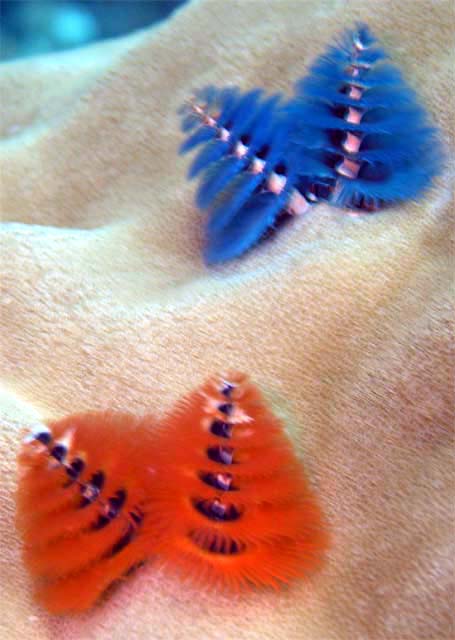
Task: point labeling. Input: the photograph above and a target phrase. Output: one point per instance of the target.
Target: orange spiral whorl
(231, 495)
(83, 486)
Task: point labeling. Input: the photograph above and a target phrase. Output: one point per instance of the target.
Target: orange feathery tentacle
(83, 486)
(79, 591)
(231, 495)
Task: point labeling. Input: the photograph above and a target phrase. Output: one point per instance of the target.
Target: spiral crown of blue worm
(353, 135)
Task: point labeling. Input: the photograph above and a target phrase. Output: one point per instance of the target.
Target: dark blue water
(34, 27)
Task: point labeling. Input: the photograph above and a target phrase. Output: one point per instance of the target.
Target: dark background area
(33, 27)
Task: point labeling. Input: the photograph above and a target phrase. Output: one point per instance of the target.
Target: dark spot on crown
(116, 502)
(59, 452)
(101, 522)
(75, 469)
(221, 429)
(227, 547)
(226, 408)
(137, 515)
(219, 544)
(45, 437)
(216, 510)
(280, 169)
(223, 455)
(92, 489)
(221, 481)
(98, 479)
(123, 541)
(263, 151)
(227, 389)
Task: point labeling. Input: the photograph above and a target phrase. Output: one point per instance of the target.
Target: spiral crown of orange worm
(231, 494)
(83, 487)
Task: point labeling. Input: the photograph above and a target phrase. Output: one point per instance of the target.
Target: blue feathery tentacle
(358, 115)
(248, 175)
